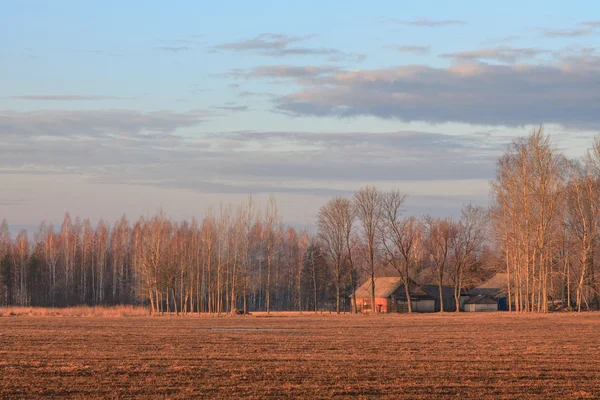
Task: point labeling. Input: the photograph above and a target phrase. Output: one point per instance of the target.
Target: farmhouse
(489, 296)
(390, 297)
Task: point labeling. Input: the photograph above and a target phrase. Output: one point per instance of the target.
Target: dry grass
(79, 311)
(494, 355)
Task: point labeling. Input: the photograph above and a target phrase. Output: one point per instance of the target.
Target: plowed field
(492, 355)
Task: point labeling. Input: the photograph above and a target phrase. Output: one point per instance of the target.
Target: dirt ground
(493, 355)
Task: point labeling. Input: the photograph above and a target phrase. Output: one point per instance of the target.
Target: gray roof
(434, 291)
(495, 286)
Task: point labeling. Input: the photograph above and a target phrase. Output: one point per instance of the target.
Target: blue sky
(111, 107)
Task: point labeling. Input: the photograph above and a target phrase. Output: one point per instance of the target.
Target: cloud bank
(566, 92)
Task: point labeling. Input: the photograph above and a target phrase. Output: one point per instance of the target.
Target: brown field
(491, 355)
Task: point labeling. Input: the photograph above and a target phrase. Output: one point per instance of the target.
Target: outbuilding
(496, 288)
(448, 296)
(480, 303)
(390, 297)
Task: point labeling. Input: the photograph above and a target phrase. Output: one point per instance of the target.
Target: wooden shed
(480, 303)
(390, 297)
(495, 288)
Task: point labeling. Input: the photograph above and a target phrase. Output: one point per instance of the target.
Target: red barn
(390, 297)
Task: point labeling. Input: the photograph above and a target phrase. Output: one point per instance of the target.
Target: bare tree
(440, 235)
(271, 223)
(399, 238)
(303, 243)
(583, 216)
(467, 245)
(367, 202)
(20, 258)
(332, 222)
(528, 194)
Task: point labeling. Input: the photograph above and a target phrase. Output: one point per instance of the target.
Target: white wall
(480, 307)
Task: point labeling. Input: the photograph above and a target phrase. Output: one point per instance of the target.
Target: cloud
(199, 88)
(413, 49)
(566, 92)
(593, 24)
(233, 162)
(231, 107)
(54, 97)
(502, 39)
(585, 28)
(247, 93)
(286, 72)
(202, 167)
(264, 42)
(69, 123)
(427, 23)
(178, 45)
(10, 202)
(173, 49)
(566, 33)
(278, 45)
(502, 54)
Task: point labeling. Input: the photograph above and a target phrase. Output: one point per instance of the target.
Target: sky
(112, 107)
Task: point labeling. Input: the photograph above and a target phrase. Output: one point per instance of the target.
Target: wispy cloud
(248, 93)
(230, 106)
(278, 45)
(10, 202)
(566, 33)
(426, 22)
(61, 97)
(412, 49)
(284, 72)
(82, 123)
(593, 24)
(179, 45)
(502, 39)
(502, 53)
(584, 28)
(173, 49)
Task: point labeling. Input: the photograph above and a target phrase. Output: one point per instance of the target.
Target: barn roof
(387, 286)
(495, 286)
(434, 291)
(384, 287)
(480, 299)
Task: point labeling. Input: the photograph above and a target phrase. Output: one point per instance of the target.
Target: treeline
(542, 229)
(237, 259)
(233, 259)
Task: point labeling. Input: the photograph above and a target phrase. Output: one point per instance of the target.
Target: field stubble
(494, 355)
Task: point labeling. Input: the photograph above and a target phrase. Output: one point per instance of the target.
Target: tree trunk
(441, 295)
(268, 294)
(407, 291)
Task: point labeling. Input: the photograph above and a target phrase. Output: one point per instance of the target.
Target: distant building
(494, 290)
(390, 297)
(480, 303)
(447, 294)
